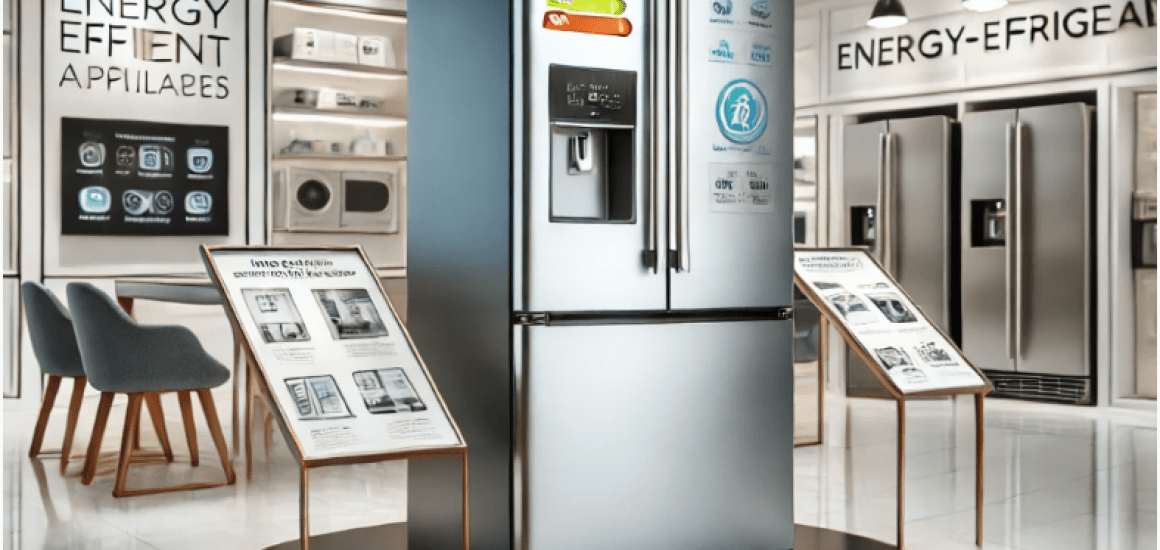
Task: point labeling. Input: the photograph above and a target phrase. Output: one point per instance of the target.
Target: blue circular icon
(741, 112)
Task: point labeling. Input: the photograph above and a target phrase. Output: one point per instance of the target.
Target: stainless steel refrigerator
(601, 266)
(899, 184)
(1028, 274)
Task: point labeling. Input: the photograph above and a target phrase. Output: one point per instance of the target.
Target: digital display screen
(122, 177)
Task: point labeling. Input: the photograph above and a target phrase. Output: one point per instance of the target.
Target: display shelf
(341, 10)
(342, 158)
(353, 70)
(290, 114)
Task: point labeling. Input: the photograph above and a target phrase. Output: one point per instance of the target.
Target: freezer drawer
(675, 436)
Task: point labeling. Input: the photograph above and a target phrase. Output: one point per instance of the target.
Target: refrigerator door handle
(678, 56)
(890, 249)
(656, 171)
(1019, 252)
(1009, 232)
(880, 221)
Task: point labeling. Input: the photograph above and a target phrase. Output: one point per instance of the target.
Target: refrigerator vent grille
(1057, 389)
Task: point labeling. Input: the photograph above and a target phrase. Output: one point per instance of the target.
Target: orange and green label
(603, 7)
(588, 24)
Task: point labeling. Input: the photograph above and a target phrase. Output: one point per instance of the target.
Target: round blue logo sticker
(741, 112)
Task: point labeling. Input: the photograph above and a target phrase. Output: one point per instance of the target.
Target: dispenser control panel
(582, 95)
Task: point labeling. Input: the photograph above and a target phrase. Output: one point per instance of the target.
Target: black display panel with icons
(124, 177)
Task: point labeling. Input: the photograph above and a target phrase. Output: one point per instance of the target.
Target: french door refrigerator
(900, 185)
(619, 357)
(1028, 276)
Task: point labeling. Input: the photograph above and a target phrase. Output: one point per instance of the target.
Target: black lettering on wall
(95, 73)
(955, 39)
(1150, 12)
(988, 35)
(196, 53)
(64, 7)
(70, 74)
(64, 35)
(843, 54)
(1130, 8)
(113, 41)
(191, 21)
(216, 11)
(217, 40)
(149, 7)
(883, 59)
(127, 4)
(862, 53)
(1083, 25)
(1096, 20)
(108, 7)
(1039, 26)
(1012, 31)
(935, 49)
(905, 42)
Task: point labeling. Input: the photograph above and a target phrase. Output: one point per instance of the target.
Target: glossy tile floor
(1057, 478)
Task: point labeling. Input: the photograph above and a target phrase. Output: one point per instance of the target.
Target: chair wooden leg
(74, 412)
(153, 401)
(190, 430)
(45, 409)
(94, 453)
(132, 422)
(215, 429)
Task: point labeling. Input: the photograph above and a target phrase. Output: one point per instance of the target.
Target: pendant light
(887, 14)
(984, 5)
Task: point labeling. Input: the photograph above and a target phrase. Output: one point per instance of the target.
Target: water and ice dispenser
(988, 222)
(593, 117)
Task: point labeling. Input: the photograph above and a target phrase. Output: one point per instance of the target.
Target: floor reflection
(1057, 478)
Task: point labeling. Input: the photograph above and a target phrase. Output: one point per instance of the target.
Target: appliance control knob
(313, 195)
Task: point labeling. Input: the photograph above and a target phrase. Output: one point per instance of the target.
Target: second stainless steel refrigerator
(899, 184)
(601, 271)
(1027, 250)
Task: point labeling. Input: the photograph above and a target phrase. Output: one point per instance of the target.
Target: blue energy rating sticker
(741, 112)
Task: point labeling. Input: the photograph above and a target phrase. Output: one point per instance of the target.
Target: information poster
(915, 355)
(121, 177)
(336, 360)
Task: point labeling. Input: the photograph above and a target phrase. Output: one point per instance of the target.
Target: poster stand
(262, 383)
(899, 394)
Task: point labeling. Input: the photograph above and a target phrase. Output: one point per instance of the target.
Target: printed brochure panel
(901, 340)
(122, 177)
(336, 359)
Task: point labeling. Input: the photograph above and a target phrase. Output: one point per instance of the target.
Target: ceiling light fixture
(984, 5)
(887, 14)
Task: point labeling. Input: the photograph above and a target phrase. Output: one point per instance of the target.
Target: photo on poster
(892, 357)
(852, 308)
(317, 398)
(276, 315)
(388, 391)
(890, 304)
(931, 352)
(350, 313)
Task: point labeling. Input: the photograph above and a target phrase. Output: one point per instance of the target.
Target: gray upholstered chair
(51, 330)
(142, 361)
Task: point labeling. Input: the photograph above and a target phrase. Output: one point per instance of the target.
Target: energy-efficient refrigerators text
(1028, 275)
(650, 375)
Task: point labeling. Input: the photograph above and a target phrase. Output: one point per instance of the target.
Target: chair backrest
(102, 327)
(50, 328)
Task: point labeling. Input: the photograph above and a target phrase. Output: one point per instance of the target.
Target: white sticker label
(740, 188)
(726, 47)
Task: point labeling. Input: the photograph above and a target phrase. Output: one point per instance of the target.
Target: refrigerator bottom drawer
(674, 436)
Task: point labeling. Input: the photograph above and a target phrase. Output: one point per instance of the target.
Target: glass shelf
(342, 10)
(342, 158)
(353, 70)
